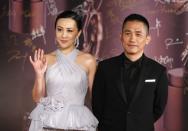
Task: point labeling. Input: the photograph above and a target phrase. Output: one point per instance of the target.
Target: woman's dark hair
(137, 17)
(70, 14)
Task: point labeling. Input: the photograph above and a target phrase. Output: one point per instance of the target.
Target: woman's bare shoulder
(51, 57)
(86, 56)
(86, 59)
(51, 54)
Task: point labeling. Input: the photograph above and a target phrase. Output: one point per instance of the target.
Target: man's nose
(133, 37)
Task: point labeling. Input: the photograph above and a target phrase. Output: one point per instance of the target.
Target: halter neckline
(72, 55)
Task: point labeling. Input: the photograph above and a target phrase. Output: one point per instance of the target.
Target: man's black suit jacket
(109, 102)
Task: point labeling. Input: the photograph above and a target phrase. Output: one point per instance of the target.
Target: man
(130, 90)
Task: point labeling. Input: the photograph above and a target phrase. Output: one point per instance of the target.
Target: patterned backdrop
(26, 25)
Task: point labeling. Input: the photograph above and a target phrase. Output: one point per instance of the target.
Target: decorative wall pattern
(26, 25)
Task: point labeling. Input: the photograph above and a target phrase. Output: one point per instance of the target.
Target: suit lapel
(120, 80)
(143, 74)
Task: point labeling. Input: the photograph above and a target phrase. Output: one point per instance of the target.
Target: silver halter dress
(63, 108)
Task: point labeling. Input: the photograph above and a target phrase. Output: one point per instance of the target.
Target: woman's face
(66, 33)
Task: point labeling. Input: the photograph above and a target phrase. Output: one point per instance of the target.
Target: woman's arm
(91, 74)
(39, 64)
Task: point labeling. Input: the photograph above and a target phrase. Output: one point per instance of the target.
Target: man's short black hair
(137, 17)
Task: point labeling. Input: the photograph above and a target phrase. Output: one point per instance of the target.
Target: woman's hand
(39, 63)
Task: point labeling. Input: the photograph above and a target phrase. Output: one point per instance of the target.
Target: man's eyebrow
(138, 31)
(127, 30)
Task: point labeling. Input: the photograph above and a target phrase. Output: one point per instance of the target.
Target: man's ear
(148, 39)
(120, 36)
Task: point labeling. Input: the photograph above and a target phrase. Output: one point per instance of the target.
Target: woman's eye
(70, 30)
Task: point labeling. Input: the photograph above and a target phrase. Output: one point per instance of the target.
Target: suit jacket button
(128, 112)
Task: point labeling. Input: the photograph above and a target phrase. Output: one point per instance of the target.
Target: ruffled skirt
(70, 117)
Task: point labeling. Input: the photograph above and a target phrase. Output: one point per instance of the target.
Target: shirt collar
(128, 63)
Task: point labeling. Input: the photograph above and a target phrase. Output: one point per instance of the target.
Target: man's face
(134, 37)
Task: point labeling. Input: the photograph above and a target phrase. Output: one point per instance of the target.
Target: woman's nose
(63, 34)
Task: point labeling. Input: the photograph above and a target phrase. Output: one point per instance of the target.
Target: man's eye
(59, 29)
(139, 35)
(127, 33)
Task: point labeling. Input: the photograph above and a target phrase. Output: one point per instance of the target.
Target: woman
(64, 75)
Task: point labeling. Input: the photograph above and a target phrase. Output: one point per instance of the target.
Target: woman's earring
(77, 42)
